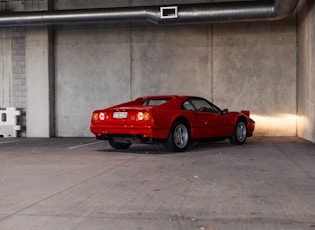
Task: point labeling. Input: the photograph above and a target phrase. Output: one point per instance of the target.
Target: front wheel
(119, 145)
(239, 134)
(179, 137)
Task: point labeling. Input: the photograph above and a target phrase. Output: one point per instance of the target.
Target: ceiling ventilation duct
(177, 14)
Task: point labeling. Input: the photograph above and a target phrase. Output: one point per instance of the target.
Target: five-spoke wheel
(240, 133)
(179, 137)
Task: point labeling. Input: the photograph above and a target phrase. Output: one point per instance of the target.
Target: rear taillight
(98, 116)
(143, 116)
(95, 116)
(102, 116)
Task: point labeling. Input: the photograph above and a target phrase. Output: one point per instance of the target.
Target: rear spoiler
(246, 112)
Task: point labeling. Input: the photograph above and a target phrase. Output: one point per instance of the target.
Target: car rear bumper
(105, 132)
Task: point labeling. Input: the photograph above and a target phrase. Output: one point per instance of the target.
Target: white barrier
(8, 126)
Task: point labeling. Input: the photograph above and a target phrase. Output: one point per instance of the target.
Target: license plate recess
(120, 115)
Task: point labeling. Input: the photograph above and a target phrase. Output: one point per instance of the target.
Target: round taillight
(146, 116)
(102, 116)
(95, 116)
(143, 116)
(140, 116)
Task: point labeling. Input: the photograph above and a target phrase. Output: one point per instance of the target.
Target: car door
(198, 119)
(219, 125)
(210, 119)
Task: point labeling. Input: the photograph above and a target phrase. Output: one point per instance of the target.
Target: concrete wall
(254, 67)
(92, 71)
(98, 67)
(237, 65)
(306, 73)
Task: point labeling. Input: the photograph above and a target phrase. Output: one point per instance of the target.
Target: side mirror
(225, 111)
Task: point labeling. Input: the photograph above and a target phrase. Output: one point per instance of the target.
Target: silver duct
(190, 13)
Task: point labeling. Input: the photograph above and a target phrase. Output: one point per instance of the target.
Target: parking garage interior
(62, 59)
(59, 70)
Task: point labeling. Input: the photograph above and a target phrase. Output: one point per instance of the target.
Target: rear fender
(183, 119)
(164, 120)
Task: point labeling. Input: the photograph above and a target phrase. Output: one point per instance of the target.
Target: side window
(216, 109)
(199, 104)
(188, 106)
(203, 105)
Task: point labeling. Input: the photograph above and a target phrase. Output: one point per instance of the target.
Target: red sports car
(174, 120)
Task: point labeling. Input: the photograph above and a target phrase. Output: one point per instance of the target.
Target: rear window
(155, 101)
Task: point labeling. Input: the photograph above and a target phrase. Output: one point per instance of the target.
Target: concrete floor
(81, 183)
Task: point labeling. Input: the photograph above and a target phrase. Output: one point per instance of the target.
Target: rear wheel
(119, 145)
(240, 133)
(179, 137)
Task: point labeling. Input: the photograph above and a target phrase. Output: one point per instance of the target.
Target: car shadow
(145, 149)
(210, 145)
(161, 148)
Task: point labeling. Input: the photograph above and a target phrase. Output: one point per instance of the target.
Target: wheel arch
(242, 118)
(183, 119)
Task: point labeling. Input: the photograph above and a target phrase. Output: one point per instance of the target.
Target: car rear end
(124, 123)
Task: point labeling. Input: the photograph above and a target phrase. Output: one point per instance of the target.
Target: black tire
(179, 137)
(239, 134)
(119, 145)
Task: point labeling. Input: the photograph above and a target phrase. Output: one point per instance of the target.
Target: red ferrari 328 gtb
(174, 120)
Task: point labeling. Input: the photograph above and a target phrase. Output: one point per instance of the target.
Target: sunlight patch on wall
(277, 125)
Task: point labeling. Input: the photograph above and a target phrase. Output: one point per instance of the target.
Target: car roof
(164, 96)
(150, 97)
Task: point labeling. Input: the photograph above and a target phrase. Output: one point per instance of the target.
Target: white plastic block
(8, 122)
